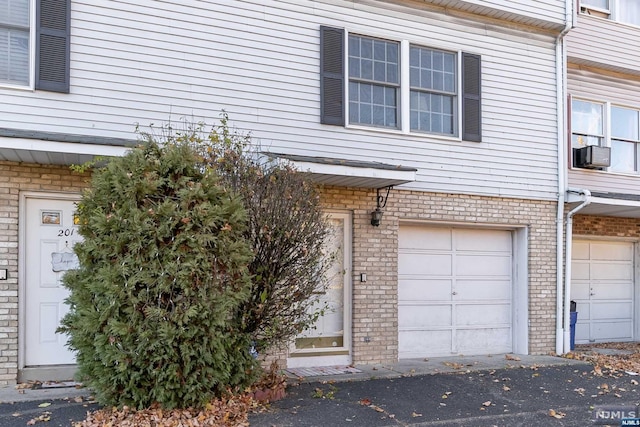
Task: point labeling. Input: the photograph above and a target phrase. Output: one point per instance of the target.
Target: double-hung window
(587, 123)
(374, 81)
(14, 42)
(433, 91)
(626, 11)
(398, 85)
(34, 44)
(625, 140)
(607, 125)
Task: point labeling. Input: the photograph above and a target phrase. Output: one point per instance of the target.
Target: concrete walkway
(436, 365)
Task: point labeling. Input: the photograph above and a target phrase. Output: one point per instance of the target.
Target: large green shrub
(287, 229)
(163, 273)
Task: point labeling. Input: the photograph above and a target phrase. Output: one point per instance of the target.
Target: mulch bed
(232, 411)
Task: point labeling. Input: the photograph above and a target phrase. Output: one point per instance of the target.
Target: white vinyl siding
(605, 44)
(142, 62)
(539, 12)
(618, 93)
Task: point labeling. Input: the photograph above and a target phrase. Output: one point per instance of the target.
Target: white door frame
(317, 360)
(22, 233)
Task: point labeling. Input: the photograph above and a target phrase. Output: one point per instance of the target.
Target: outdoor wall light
(376, 217)
(381, 202)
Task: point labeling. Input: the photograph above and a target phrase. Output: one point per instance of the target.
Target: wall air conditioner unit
(592, 157)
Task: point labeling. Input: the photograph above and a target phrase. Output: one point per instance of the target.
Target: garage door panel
(580, 250)
(582, 333)
(580, 270)
(422, 343)
(470, 290)
(610, 271)
(580, 290)
(416, 237)
(489, 315)
(474, 341)
(482, 240)
(425, 290)
(618, 290)
(584, 310)
(612, 310)
(416, 316)
(612, 331)
(420, 264)
(483, 265)
(611, 251)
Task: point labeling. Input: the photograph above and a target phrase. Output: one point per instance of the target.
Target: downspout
(561, 99)
(586, 200)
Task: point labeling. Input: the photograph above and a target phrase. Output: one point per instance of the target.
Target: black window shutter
(52, 45)
(471, 111)
(332, 76)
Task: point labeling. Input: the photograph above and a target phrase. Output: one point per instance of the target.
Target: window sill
(622, 174)
(16, 87)
(403, 133)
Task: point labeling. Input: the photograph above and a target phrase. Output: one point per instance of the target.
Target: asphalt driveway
(483, 391)
(519, 396)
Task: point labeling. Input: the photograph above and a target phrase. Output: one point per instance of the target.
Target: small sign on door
(64, 261)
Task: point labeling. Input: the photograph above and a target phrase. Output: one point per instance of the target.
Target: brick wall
(586, 225)
(15, 178)
(375, 252)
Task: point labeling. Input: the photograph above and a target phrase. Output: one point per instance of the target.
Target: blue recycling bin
(572, 325)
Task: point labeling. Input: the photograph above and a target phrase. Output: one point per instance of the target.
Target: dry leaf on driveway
(556, 414)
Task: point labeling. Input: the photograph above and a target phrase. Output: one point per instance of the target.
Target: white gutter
(586, 200)
(561, 100)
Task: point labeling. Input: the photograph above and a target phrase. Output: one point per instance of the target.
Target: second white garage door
(454, 291)
(602, 284)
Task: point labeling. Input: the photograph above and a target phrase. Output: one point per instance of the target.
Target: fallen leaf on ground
(505, 388)
(556, 414)
(415, 414)
(453, 365)
(487, 403)
(46, 416)
(364, 402)
(44, 405)
(512, 357)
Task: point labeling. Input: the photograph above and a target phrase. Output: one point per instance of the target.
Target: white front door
(50, 234)
(454, 291)
(329, 341)
(602, 285)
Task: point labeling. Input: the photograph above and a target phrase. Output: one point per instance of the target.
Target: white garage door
(454, 291)
(602, 285)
